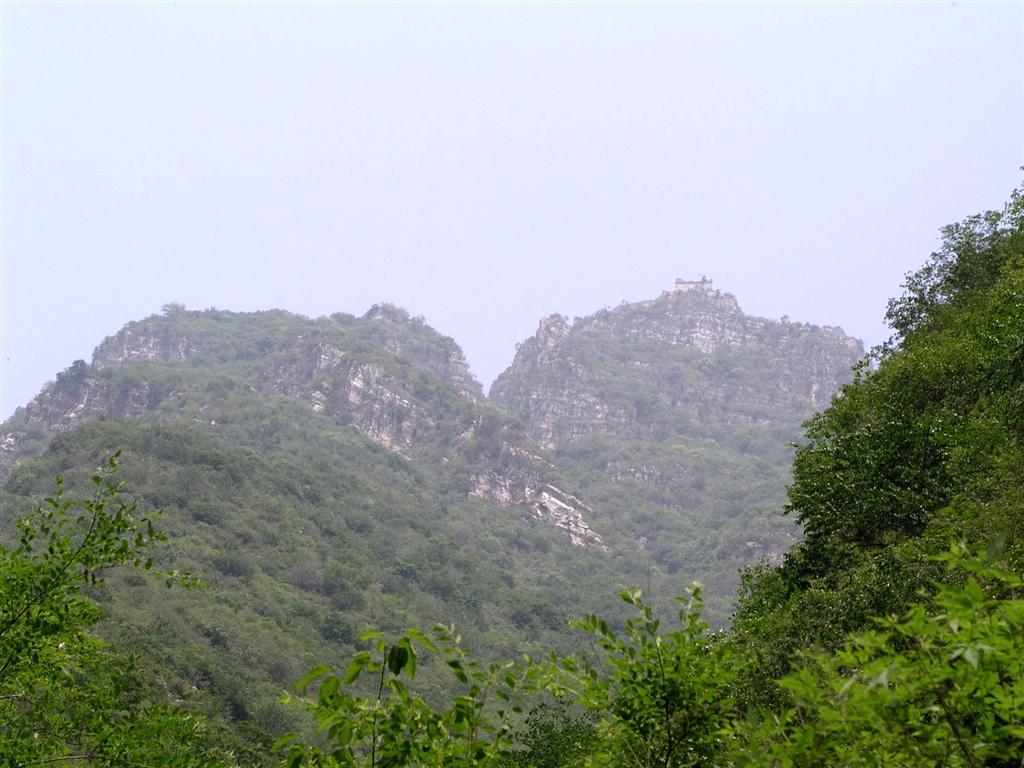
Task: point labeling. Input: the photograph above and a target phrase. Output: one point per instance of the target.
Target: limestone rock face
(350, 391)
(521, 478)
(161, 343)
(643, 370)
(438, 355)
(75, 397)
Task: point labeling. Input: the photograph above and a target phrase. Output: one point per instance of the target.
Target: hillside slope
(675, 417)
(325, 475)
(923, 451)
(322, 476)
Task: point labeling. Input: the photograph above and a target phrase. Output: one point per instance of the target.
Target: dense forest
(891, 633)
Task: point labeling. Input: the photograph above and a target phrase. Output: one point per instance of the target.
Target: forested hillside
(322, 476)
(319, 477)
(892, 634)
(325, 476)
(676, 416)
(922, 451)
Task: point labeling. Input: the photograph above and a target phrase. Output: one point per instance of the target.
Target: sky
(485, 165)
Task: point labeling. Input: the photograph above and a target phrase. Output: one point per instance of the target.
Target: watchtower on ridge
(685, 286)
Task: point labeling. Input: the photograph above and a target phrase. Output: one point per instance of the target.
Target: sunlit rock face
(521, 479)
(643, 370)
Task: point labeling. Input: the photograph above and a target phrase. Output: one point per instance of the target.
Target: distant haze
(484, 165)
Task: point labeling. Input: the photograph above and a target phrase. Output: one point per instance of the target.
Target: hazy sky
(485, 165)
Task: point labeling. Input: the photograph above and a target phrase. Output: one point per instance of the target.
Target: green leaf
(410, 668)
(286, 739)
(354, 668)
(329, 688)
(417, 636)
(295, 756)
(318, 671)
(398, 657)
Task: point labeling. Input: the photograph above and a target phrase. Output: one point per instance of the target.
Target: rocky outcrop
(411, 339)
(565, 511)
(154, 342)
(353, 392)
(644, 370)
(520, 478)
(77, 395)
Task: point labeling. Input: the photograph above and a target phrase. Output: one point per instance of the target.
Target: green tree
(554, 736)
(973, 254)
(924, 448)
(941, 685)
(397, 727)
(655, 699)
(660, 698)
(64, 696)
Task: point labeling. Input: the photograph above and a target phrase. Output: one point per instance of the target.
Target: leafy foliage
(973, 255)
(660, 699)
(302, 545)
(927, 448)
(397, 727)
(656, 699)
(63, 695)
(554, 735)
(942, 684)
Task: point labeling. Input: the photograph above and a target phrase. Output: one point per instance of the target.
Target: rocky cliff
(673, 416)
(654, 368)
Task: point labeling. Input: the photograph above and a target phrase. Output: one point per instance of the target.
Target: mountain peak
(691, 354)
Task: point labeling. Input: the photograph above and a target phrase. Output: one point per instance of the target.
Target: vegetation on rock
(320, 482)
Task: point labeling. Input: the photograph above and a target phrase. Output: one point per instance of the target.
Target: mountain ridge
(325, 474)
(389, 375)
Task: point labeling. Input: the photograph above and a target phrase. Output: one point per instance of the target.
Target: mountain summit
(685, 361)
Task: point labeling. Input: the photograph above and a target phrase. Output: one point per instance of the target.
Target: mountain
(675, 417)
(321, 476)
(325, 475)
(386, 375)
(687, 362)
